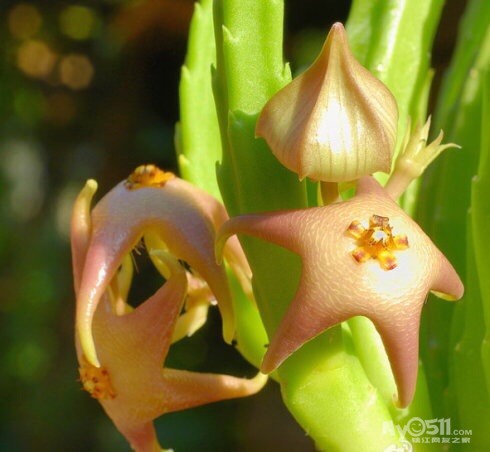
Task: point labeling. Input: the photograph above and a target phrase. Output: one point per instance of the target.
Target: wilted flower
(363, 256)
(121, 362)
(335, 122)
(416, 155)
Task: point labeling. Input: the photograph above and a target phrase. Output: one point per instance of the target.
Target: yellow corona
(97, 382)
(377, 241)
(148, 176)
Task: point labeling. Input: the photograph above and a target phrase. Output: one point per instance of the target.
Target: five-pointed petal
(334, 286)
(130, 382)
(180, 215)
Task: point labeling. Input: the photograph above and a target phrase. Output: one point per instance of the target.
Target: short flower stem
(329, 192)
(397, 184)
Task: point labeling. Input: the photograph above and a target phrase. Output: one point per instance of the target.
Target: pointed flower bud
(335, 122)
(415, 157)
(364, 256)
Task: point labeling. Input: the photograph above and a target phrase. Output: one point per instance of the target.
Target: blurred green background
(89, 90)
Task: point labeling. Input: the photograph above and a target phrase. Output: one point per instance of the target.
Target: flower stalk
(415, 156)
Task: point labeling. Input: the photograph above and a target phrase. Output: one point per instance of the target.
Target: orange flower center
(148, 176)
(97, 382)
(376, 241)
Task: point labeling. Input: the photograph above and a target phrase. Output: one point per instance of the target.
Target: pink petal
(233, 251)
(119, 221)
(334, 286)
(191, 389)
(80, 229)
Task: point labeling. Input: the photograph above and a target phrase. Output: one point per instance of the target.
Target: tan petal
(81, 228)
(141, 437)
(400, 334)
(132, 349)
(335, 122)
(134, 389)
(335, 286)
(191, 389)
(447, 284)
(191, 320)
(199, 298)
(233, 251)
(121, 218)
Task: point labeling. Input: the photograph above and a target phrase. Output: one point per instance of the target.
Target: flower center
(376, 241)
(96, 381)
(148, 176)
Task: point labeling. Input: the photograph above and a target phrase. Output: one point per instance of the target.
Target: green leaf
(471, 391)
(442, 213)
(198, 141)
(197, 136)
(480, 210)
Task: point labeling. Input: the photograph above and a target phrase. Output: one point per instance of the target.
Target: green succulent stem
(446, 190)
(338, 386)
(480, 214)
(197, 135)
(472, 29)
(249, 48)
(386, 35)
(198, 143)
(471, 394)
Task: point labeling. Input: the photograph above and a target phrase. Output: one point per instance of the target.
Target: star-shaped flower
(129, 379)
(131, 384)
(166, 212)
(389, 285)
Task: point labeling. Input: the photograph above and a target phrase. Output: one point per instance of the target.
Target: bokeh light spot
(78, 22)
(36, 59)
(23, 168)
(24, 20)
(76, 71)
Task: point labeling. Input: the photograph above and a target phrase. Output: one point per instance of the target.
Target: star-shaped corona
(376, 241)
(148, 176)
(128, 378)
(388, 284)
